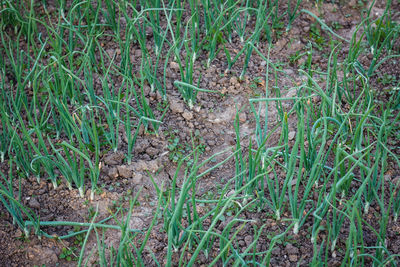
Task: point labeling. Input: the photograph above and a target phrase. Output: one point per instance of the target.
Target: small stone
(33, 203)
(124, 171)
(187, 115)
(292, 134)
(263, 63)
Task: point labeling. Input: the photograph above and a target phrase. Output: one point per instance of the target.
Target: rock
(33, 203)
(113, 172)
(124, 171)
(292, 134)
(175, 105)
(187, 115)
(42, 256)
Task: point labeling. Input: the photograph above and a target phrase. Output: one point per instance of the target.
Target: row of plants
(65, 99)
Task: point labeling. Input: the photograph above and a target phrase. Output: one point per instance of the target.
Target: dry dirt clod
(173, 65)
(114, 158)
(124, 171)
(187, 115)
(290, 249)
(175, 105)
(113, 172)
(137, 179)
(292, 135)
(293, 258)
(42, 256)
(242, 117)
(33, 203)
